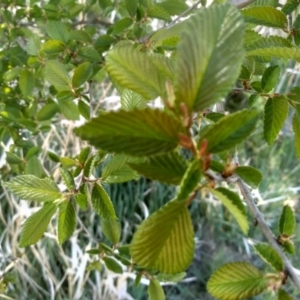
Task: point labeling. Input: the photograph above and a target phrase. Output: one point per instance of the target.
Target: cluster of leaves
(191, 66)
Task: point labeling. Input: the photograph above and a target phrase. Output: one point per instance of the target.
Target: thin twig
(267, 232)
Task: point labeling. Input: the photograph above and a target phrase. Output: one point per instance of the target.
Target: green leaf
(287, 221)
(32, 188)
(190, 180)
(229, 130)
(57, 75)
(66, 221)
(121, 25)
(89, 53)
(130, 68)
(67, 162)
(296, 129)
(26, 83)
(89, 166)
(250, 175)
(270, 78)
(170, 251)
(117, 170)
(35, 226)
(266, 16)
(67, 178)
(280, 52)
(275, 113)
(35, 167)
(289, 247)
(112, 265)
(69, 109)
(131, 6)
(57, 31)
(174, 7)
(270, 256)
(111, 229)
(84, 109)
(47, 112)
(168, 168)
(131, 100)
(137, 132)
(53, 47)
(102, 203)
(283, 295)
(82, 73)
(234, 204)
(289, 6)
(33, 45)
(171, 278)
(155, 290)
(13, 159)
(81, 200)
(236, 281)
(84, 154)
(209, 56)
(158, 12)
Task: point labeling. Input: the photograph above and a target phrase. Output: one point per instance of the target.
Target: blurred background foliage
(50, 271)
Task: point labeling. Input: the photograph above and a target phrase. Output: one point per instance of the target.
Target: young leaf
(111, 229)
(283, 295)
(33, 188)
(35, 226)
(270, 78)
(82, 74)
(266, 16)
(67, 178)
(210, 55)
(89, 166)
(250, 175)
(236, 281)
(137, 133)
(57, 75)
(130, 68)
(155, 290)
(230, 130)
(53, 47)
(289, 247)
(287, 221)
(170, 251)
(270, 256)
(102, 203)
(234, 204)
(296, 129)
(67, 162)
(168, 168)
(26, 83)
(113, 265)
(275, 113)
(66, 221)
(190, 180)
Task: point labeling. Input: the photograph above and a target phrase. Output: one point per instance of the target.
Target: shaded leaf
(66, 221)
(33, 188)
(210, 55)
(296, 129)
(112, 265)
(47, 112)
(168, 168)
(275, 113)
(265, 15)
(26, 83)
(250, 175)
(283, 295)
(82, 73)
(131, 6)
(229, 130)
(155, 290)
(138, 132)
(287, 221)
(236, 281)
(102, 203)
(130, 68)
(111, 229)
(172, 250)
(35, 226)
(270, 78)
(270, 256)
(289, 6)
(234, 204)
